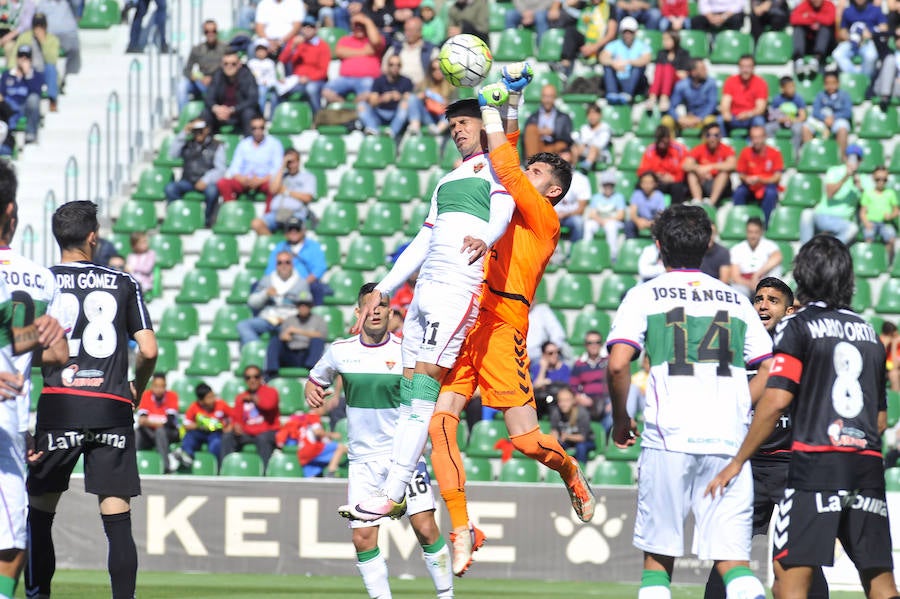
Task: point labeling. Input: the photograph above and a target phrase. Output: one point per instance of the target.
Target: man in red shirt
(813, 22)
(665, 158)
(709, 166)
(744, 97)
(319, 451)
(158, 421)
(255, 417)
(360, 55)
(306, 57)
(759, 166)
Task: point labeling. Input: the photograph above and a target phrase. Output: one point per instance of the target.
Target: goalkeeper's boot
(374, 507)
(465, 540)
(580, 494)
(494, 95)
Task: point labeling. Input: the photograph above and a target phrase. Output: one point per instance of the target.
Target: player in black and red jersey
(829, 368)
(87, 404)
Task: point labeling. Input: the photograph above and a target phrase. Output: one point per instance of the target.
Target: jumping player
(699, 336)
(829, 370)
(370, 366)
(470, 210)
(87, 404)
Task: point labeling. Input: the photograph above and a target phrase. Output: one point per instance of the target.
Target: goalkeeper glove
(517, 75)
(494, 95)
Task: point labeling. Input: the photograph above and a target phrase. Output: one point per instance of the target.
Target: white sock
(438, 564)
(654, 592)
(745, 587)
(374, 573)
(410, 437)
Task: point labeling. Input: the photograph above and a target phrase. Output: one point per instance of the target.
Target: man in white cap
(606, 209)
(624, 61)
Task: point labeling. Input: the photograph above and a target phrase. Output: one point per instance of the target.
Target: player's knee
(365, 539)
(425, 527)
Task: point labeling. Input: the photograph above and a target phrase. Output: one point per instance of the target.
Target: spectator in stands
(592, 140)
(255, 417)
(588, 379)
(549, 369)
(232, 97)
(203, 61)
(334, 13)
(318, 451)
(665, 158)
(570, 209)
(544, 327)
(607, 211)
(44, 55)
(768, 14)
(646, 203)
(759, 167)
(204, 422)
(306, 57)
(530, 14)
(61, 23)
(716, 15)
(16, 17)
(693, 101)
(468, 16)
(434, 27)
(788, 111)
(300, 341)
(586, 33)
(263, 69)
(157, 422)
(643, 11)
(832, 111)
(309, 259)
(672, 65)
(754, 259)
(387, 103)
(116, 262)
(20, 90)
(674, 15)
(278, 21)
(570, 424)
(294, 190)
(415, 53)
(273, 299)
(717, 259)
(836, 212)
(887, 85)
(548, 129)
(360, 55)
(141, 261)
(813, 23)
(624, 61)
(878, 208)
(861, 22)
(429, 102)
(744, 97)
(709, 166)
(139, 35)
(204, 164)
(256, 161)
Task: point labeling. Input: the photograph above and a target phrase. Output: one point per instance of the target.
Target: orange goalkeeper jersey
(517, 260)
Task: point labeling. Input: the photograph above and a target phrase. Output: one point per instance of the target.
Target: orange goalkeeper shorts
(494, 357)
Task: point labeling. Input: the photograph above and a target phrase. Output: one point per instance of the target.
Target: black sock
(715, 586)
(818, 589)
(41, 562)
(122, 560)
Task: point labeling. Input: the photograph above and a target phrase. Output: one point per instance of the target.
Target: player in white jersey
(700, 337)
(370, 367)
(470, 210)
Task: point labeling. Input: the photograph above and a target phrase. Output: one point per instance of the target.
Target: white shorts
(670, 484)
(365, 478)
(436, 324)
(13, 497)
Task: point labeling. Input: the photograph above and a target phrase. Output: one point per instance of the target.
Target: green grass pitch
(86, 584)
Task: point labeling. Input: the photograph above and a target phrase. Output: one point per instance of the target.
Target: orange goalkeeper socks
(546, 450)
(446, 460)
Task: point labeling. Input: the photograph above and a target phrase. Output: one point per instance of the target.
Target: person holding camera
(836, 212)
(204, 165)
(295, 190)
(307, 58)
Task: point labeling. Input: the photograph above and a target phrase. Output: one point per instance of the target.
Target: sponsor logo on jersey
(846, 500)
(390, 364)
(846, 436)
(73, 377)
(477, 168)
(70, 439)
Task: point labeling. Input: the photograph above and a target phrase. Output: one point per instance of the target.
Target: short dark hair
(467, 107)
(785, 80)
(779, 286)
(594, 107)
(231, 51)
(755, 220)
(823, 270)
(560, 171)
(39, 20)
(888, 328)
(662, 132)
(9, 185)
(747, 57)
(73, 222)
(830, 74)
(365, 290)
(706, 128)
(202, 390)
(159, 375)
(292, 151)
(683, 233)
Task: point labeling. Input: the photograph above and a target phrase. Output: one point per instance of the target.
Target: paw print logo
(588, 541)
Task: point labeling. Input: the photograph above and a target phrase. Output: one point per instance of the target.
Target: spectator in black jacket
(232, 97)
(204, 165)
(548, 129)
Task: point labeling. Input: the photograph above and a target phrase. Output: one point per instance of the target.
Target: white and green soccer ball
(465, 60)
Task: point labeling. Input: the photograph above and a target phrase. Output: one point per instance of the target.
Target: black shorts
(769, 481)
(809, 521)
(110, 461)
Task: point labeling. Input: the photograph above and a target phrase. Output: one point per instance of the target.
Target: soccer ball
(465, 60)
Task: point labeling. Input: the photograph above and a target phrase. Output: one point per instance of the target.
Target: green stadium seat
(234, 218)
(785, 223)
(855, 85)
(809, 88)
(892, 479)
(550, 48)
(327, 151)
(462, 435)
(341, 427)
(599, 440)
(179, 321)
(365, 253)
(774, 48)
(382, 219)
(346, 284)
(873, 154)
(893, 407)
(204, 464)
(629, 254)
(334, 318)
(613, 473)
(787, 254)
(695, 42)
(122, 243)
(291, 118)
(401, 185)
(291, 397)
(588, 256)
(219, 252)
(183, 217)
(243, 283)
(191, 111)
(210, 358)
(631, 156)
(149, 462)
(589, 319)
(431, 184)
(477, 468)
(513, 45)
(652, 37)
(497, 15)
(483, 437)
(231, 388)
(449, 158)
(646, 127)
(167, 248)
(167, 358)
(572, 291)
(519, 470)
(136, 215)
(736, 221)
(629, 454)
(184, 388)
(786, 148)
(225, 322)
(417, 218)
(242, 464)
(99, 14)
(418, 153)
(772, 82)
(284, 464)
(618, 117)
(889, 298)
(613, 289)
(355, 186)
(151, 184)
(803, 190)
(533, 91)
(879, 125)
(376, 152)
(338, 218)
(262, 248)
(229, 142)
(253, 353)
(869, 259)
(862, 295)
(332, 248)
(200, 286)
(331, 35)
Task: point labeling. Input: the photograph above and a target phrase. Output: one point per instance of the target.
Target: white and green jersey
(10, 418)
(371, 376)
(34, 293)
(700, 337)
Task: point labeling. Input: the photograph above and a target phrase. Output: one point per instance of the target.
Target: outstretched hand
(475, 247)
(517, 76)
(494, 95)
(369, 305)
(720, 482)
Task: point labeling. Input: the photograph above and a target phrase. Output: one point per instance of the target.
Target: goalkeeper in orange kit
(493, 355)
